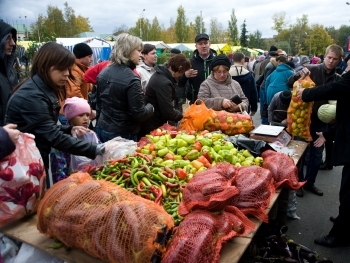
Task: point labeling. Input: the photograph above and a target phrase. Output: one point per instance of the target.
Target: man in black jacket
(8, 75)
(339, 234)
(200, 62)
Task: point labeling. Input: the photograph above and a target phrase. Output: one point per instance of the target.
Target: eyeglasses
(221, 72)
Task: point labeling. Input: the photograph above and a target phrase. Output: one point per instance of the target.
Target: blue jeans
(106, 136)
(263, 101)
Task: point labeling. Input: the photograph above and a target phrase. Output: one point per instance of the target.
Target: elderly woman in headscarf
(218, 89)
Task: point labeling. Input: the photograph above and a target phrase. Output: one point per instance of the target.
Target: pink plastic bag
(22, 180)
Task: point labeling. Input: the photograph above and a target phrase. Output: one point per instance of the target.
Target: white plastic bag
(118, 147)
(29, 254)
(77, 162)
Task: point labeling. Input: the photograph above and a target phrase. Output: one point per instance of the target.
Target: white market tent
(158, 44)
(180, 47)
(100, 47)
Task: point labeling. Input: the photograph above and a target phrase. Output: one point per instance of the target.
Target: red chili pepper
(207, 156)
(119, 160)
(168, 184)
(204, 161)
(159, 197)
(113, 174)
(170, 171)
(140, 186)
(144, 156)
(181, 173)
(197, 145)
(145, 168)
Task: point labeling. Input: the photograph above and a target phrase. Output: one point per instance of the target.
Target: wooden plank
(299, 147)
(25, 230)
(233, 250)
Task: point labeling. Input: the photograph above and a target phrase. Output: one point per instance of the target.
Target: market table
(25, 230)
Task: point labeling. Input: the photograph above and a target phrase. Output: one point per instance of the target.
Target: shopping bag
(22, 180)
(195, 117)
(78, 162)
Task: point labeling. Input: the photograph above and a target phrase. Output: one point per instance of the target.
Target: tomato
(181, 173)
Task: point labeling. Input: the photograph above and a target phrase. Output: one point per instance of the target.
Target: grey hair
(124, 45)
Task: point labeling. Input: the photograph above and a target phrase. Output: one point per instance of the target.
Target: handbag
(22, 180)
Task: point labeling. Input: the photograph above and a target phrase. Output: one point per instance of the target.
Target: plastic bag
(229, 123)
(195, 117)
(30, 254)
(77, 162)
(299, 112)
(121, 148)
(22, 180)
(256, 147)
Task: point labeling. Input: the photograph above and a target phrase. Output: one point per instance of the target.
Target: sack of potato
(299, 112)
(229, 123)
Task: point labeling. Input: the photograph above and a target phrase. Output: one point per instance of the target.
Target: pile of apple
(195, 152)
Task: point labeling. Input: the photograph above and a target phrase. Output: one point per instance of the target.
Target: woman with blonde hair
(120, 100)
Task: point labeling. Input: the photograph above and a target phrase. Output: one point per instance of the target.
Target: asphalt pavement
(314, 212)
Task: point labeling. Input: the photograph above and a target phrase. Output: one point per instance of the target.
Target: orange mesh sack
(283, 169)
(256, 188)
(211, 189)
(200, 235)
(229, 123)
(104, 220)
(299, 112)
(195, 117)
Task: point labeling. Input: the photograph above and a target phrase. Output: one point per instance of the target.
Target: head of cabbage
(326, 113)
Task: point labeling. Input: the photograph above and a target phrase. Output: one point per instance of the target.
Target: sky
(108, 15)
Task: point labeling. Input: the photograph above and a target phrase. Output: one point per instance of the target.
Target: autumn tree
(217, 33)
(233, 29)
(255, 40)
(318, 40)
(155, 31)
(244, 37)
(279, 22)
(191, 33)
(168, 34)
(334, 33)
(343, 32)
(181, 27)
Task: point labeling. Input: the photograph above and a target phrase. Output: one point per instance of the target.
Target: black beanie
(220, 60)
(82, 50)
(273, 48)
(285, 97)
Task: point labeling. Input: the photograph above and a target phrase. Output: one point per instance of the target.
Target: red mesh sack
(211, 189)
(256, 188)
(299, 112)
(200, 235)
(229, 123)
(283, 169)
(104, 220)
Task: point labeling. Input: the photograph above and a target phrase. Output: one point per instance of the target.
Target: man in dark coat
(8, 75)
(200, 62)
(339, 234)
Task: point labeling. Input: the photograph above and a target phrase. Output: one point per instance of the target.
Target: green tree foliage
(318, 40)
(199, 25)
(334, 33)
(255, 40)
(155, 31)
(181, 26)
(343, 32)
(121, 29)
(279, 22)
(233, 29)
(244, 37)
(56, 24)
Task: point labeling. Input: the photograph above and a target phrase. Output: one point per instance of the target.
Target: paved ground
(314, 212)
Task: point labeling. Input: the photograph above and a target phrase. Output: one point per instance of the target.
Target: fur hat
(201, 36)
(75, 106)
(81, 50)
(304, 59)
(286, 96)
(220, 60)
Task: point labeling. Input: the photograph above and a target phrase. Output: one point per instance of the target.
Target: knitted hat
(82, 50)
(304, 59)
(175, 51)
(201, 36)
(261, 58)
(291, 64)
(75, 106)
(220, 60)
(286, 96)
(273, 48)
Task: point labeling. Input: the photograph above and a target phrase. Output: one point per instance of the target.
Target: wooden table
(25, 231)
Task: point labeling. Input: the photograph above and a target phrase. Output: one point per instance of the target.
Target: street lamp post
(141, 22)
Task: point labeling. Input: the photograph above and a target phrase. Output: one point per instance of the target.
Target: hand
(92, 115)
(12, 132)
(191, 73)
(304, 72)
(300, 93)
(80, 131)
(320, 140)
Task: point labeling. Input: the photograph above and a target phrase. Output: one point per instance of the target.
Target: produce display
(299, 112)
(103, 219)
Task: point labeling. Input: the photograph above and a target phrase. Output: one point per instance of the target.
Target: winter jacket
(160, 93)
(246, 79)
(34, 108)
(270, 67)
(145, 73)
(202, 66)
(120, 100)
(213, 92)
(277, 111)
(79, 87)
(339, 91)
(6, 145)
(8, 75)
(90, 75)
(318, 75)
(277, 81)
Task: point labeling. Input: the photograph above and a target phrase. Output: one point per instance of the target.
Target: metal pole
(141, 23)
(201, 23)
